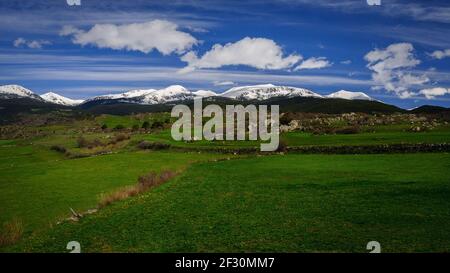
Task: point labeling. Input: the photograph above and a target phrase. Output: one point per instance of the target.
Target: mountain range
(179, 93)
(16, 99)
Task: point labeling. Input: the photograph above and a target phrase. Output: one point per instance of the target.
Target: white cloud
(38, 44)
(431, 93)
(19, 42)
(390, 69)
(223, 83)
(161, 35)
(34, 44)
(346, 62)
(259, 53)
(440, 54)
(314, 63)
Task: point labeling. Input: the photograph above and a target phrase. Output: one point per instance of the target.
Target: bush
(145, 125)
(58, 148)
(147, 145)
(104, 127)
(135, 127)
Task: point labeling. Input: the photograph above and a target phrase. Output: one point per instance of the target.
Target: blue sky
(397, 52)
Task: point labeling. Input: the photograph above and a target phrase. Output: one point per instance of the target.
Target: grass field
(291, 203)
(276, 203)
(38, 186)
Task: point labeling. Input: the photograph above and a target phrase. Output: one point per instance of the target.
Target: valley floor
(290, 203)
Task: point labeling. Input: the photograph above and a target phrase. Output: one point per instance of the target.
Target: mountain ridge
(61, 100)
(289, 98)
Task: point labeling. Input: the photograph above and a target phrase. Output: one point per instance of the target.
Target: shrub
(135, 127)
(145, 125)
(58, 148)
(104, 127)
(147, 145)
(11, 232)
(145, 183)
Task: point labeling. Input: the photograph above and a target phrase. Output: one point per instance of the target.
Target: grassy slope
(278, 203)
(38, 186)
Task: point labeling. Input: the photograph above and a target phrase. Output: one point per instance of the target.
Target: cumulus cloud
(390, 69)
(160, 35)
(431, 93)
(34, 44)
(259, 53)
(314, 63)
(440, 54)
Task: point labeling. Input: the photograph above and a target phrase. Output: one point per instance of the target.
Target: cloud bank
(160, 35)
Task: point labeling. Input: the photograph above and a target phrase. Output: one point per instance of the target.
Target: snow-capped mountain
(168, 94)
(349, 95)
(58, 99)
(267, 91)
(17, 91)
(180, 93)
(204, 93)
(127, 95)
(154, 96)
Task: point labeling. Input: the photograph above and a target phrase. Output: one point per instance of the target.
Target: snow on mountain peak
(204, 93)
(179, 93)
(58, 99)
(16, 91)
(349, 95)
(267, 91)
(168, 94)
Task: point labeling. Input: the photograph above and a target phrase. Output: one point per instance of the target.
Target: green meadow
(221, 202)
(291, 203)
